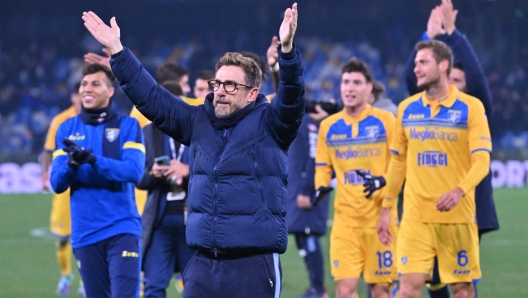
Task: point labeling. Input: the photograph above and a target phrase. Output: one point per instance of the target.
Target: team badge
(336, 263)
(111, 134)
(372, 132)
(404, 260)
(453, 116)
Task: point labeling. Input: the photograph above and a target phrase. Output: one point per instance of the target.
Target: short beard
(428, 85)
(224, 113)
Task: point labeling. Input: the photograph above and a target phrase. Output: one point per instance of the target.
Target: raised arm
(464, 53)
(171, 116)
(287, 109)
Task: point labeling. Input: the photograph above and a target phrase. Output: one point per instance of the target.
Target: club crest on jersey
(404, 260)
(111, 134)
(372, 132)
(453, 116)
(336, 263)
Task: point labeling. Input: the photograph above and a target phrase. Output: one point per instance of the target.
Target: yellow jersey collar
(448, 101)
(362, 115)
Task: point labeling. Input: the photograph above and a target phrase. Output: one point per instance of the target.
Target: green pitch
(28, 267)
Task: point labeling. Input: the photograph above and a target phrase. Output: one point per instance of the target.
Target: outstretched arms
(170, 115)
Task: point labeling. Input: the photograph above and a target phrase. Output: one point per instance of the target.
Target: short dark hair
(205, 75)
(173, 87)
(458, 65)
(251, 69)
(76, 87)
(356, 65)
(170, 71)
(441, 51)
(95, 68)
(261, 62)
(377, 89)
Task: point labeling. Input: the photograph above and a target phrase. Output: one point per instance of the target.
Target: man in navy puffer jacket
(238, 161)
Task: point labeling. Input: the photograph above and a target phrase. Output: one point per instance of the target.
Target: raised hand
(434, 24)
(288, 28)
(449, 14)
(107, 36)
(272, 53)
(93, 58)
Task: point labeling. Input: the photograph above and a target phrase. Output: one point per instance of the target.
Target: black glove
(320, 194)
(371, 183)
(77, 155)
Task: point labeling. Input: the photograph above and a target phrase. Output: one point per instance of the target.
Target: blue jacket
(102, 196)
(301, 173)
(238, 175)
(478, 87)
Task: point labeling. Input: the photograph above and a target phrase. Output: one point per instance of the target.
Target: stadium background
(41, 49)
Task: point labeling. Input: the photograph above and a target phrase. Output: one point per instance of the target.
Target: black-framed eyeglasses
(229, 86)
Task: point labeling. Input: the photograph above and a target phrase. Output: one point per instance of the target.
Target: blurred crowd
(37, 71)
(35, 83)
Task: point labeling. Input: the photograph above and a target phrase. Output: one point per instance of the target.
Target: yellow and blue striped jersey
(438, 139)
(346, 144)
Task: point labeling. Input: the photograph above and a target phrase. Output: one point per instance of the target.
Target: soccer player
(238, 176)
(201, 89)
(468, 76)
(100, 156)
(355, 142)
(442, 148)
(60, 223)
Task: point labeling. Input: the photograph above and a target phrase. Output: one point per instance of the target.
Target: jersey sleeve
(49, 144)
(130, 167)
(62, 175)
(323, 162)
(390, 126)
(479, 137)
(398, 164)
(479, 140)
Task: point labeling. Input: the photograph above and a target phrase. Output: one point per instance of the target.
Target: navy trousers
(310, 249)
(110, 268)
(167, 251)
(231, 276)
